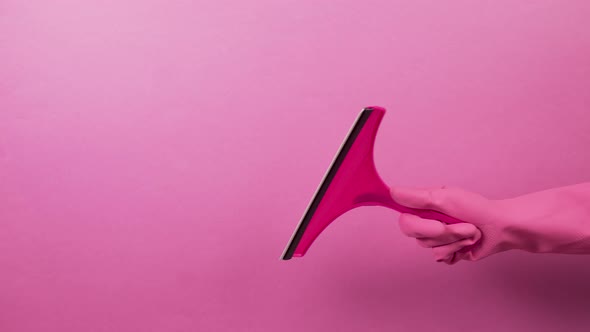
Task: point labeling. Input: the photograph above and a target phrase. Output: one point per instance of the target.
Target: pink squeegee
(351, 181)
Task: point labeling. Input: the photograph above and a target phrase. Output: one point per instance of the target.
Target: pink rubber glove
(555, 220)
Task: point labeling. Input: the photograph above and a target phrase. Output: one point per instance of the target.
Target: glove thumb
(454, 202)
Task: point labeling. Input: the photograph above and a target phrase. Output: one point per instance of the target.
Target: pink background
(155, 157)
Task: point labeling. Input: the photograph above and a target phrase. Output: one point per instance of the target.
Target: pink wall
(155, 157)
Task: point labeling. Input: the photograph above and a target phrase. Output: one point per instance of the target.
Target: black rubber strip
(315, 202)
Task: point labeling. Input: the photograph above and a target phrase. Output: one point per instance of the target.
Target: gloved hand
(555, 220)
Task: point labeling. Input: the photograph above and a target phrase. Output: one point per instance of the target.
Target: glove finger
(442, 253)
(454, 258)
(414, 226)
(451, 233)
(449, 260)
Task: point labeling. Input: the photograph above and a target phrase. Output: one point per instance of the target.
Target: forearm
(555, 220)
